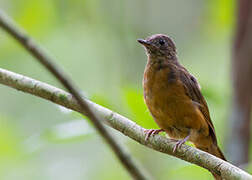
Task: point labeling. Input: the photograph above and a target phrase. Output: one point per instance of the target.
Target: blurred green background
(95, 42)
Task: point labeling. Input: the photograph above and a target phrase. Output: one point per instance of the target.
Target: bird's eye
(161, 42)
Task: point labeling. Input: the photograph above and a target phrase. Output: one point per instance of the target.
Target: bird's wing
(192, 89)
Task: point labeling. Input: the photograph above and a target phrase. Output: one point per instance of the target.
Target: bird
(174, 99)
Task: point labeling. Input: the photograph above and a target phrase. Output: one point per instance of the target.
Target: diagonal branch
(48, 62)
(124, 125)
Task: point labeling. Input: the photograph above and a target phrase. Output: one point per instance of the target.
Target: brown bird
(174, 98)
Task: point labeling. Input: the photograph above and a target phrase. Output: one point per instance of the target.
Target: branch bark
(124, 125)
(48, 62)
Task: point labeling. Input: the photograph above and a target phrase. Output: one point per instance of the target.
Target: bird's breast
(165, 96)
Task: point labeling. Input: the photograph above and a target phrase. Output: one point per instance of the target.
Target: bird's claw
(179, 143)
(151, 132)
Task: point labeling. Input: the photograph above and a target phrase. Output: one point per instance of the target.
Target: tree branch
(48, 62)
(124, 125)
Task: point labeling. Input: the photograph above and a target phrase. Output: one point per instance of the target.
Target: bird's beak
(144, 42)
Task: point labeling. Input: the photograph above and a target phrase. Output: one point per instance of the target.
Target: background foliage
(95, 41)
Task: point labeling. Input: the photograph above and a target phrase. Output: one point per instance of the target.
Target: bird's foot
(151, 132)
(180, 142)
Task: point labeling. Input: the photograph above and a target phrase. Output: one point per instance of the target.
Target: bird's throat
(158, 63)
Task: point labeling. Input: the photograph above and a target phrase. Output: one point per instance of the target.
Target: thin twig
(35, 50)
(124, 125)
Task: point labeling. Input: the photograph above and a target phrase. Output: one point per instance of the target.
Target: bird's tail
(214, 150)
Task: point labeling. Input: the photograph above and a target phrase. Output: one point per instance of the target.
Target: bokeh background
(95, 42)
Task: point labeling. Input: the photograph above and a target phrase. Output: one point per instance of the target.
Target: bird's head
(159, 46)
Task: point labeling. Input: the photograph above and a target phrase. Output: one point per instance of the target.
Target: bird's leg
(150, 132)
(180, 142)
